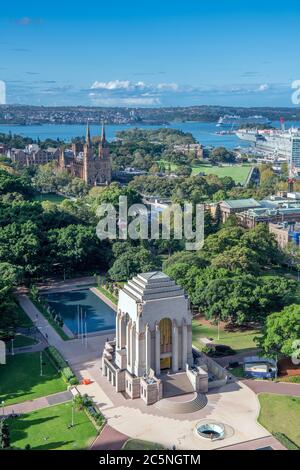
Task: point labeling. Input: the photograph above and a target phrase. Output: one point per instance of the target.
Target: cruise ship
(233, 120)
(270, 142)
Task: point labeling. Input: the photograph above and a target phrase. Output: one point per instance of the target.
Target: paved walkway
(104, 298)
(280, 388)
(109, 439)
(256, 444)
(39, 320)
(38, 403)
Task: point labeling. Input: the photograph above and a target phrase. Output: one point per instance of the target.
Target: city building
(294, 163)
(233, 206)
(82, 163)
(32, 155)
(285, 233)
(276, 209)
(154, 342)
(196, 150)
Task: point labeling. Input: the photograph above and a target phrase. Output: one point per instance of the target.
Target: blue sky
(150, 53)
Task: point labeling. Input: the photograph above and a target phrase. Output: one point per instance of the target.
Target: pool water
(97, 314)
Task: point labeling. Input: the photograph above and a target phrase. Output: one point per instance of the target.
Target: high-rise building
(2, 92)
(294, 163)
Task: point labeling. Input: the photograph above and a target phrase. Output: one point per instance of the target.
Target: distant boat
(234, 120)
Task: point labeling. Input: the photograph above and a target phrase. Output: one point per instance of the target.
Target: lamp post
(2, 403)
(12, 347)
(72, 420)
(41, 363)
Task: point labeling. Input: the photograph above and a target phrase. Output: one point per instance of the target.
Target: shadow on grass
(19, 432)
(21, 375)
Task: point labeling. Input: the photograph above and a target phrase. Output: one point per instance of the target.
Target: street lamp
(2, 403)
(12, 347)
(72, 420)
(41, 363)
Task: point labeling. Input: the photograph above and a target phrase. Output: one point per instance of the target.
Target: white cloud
(130, 86)
(112, 85)
(101, 100)
(168, 86)
(263, 87)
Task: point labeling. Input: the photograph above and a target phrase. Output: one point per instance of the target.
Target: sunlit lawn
(20, 378)
(238, 172)
(281, 413)
(21, 341)
(47, 429)
(237, 340)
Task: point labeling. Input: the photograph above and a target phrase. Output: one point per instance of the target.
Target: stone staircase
(193, 404)
(176, 384)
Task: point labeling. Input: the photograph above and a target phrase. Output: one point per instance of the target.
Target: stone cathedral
(81, 162)
(153, 340)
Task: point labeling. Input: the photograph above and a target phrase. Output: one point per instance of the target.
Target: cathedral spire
(103, 138)
(88, 134)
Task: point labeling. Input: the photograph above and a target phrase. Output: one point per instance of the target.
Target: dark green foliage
(4, 435)
(62, 365)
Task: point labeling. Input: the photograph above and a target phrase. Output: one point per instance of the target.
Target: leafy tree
(111, 194)
(4, 435)
(10, 183)
(260, 240)
(9, 276)
(222, 155)
(237, 259)
(131, 262)
(20, 245)
(280, 331)
(76, 247)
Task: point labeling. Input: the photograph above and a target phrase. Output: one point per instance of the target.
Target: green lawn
(47, 429)
(294, 379)
(281, 413)
(22, 341)
(56, 198)
(107, 294)
(23, 320)
(238, 172)
(238, 372)
(137, 444)
(20, 378)
(237, 340)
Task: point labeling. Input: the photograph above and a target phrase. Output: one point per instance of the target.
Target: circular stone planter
(211, 431)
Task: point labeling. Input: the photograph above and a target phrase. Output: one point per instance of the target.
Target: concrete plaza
(234, 405)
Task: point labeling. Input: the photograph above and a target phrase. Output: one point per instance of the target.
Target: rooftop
(152, 286)
(241, 203)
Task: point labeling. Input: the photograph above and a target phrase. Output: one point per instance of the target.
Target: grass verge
(20, 378)
(280, 414)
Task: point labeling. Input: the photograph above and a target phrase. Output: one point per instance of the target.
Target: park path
(109, 439)
(39, 320)
(38, 403)
(261, 443)
(279, 388)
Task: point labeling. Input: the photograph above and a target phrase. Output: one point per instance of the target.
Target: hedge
(62, 365)
(285, 441)
(86, 403)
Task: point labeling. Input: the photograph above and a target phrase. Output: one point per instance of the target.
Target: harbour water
(204, 132)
